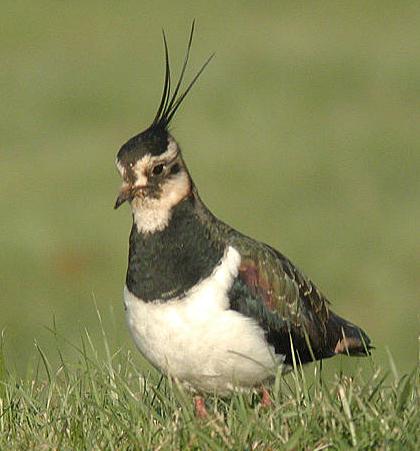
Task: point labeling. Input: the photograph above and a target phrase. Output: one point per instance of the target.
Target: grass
(113, 403)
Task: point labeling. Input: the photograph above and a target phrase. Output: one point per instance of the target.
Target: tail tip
(355, 344)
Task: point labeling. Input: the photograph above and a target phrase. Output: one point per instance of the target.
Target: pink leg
(265, 399)
(200, 407)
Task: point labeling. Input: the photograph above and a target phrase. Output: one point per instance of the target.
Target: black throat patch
(167, 263)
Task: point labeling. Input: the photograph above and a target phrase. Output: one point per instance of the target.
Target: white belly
(198, 339)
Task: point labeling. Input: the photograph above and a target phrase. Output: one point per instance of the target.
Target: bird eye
(158, 169)
(175, 168)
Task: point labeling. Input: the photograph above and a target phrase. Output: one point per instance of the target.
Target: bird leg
(200, 407)
(265, 398)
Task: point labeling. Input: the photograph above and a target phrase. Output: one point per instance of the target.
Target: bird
(207, 305)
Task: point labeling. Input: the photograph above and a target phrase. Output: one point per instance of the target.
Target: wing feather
(289, 307)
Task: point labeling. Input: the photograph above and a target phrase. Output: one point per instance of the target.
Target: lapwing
(207, 305)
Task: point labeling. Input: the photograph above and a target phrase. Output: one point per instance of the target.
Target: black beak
(123, 196)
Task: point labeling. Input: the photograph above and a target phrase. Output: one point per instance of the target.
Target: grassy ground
(303, 133)
(112, 404)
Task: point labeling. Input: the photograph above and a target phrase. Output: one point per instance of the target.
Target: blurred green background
(303, 132)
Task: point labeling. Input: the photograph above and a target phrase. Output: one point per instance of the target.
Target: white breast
(198, 339)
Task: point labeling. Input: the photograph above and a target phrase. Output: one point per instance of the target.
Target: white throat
(153, 215)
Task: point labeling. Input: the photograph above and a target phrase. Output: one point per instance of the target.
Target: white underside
(198, 340)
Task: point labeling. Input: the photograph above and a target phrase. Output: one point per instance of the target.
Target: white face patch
(142, 166)
(152, 215)
(140, 170)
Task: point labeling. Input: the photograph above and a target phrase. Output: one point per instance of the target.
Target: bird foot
(200, 407)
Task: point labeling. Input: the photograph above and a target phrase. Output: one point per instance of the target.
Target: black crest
(171, 101)
(154, 140)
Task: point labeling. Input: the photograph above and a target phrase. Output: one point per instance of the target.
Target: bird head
(155, 177)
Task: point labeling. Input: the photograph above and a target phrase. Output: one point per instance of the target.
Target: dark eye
(175, 168)
(158, 169)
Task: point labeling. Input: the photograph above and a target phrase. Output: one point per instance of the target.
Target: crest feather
(171, 101)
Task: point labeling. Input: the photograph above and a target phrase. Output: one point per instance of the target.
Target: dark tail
(346, 338)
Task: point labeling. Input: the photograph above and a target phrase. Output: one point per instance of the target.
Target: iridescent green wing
(288, 306)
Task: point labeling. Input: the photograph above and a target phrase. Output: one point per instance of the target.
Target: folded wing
(294, 314)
